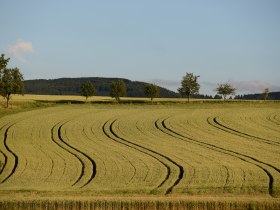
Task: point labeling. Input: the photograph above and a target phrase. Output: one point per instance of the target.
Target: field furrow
(215, 122)
(3, 161)
(90, 166)
(265, 167)
(146, 134)
(12, 158)
(142, 150)
(110, 133)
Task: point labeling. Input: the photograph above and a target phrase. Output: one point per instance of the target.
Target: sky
(156, 41)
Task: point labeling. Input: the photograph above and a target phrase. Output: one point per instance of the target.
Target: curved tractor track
(81, 156)
(214, 122)
(5, 162)
(150, 150)
(273, 118)
(246, 158)
(12, 154)
(110, 133)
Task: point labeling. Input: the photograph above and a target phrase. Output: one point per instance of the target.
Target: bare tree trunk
(8, 99)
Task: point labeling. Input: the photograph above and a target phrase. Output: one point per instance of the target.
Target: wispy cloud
(254, 86)
(19, 49)
(165, 82)
(170, 84)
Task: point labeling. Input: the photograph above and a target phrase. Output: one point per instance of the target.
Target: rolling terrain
(138, 150)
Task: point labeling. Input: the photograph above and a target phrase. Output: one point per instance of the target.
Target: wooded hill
(71, 86)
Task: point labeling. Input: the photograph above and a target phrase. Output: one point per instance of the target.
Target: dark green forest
(259, 96)
(72, 86)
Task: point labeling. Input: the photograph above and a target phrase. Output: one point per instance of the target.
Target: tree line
(189, 87)
(11, 82)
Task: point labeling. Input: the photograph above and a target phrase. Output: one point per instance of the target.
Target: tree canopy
(87, 90)
(3, 62)
(189, 85)
(265, 93)
(151, 91)
(225, 89)
(118, 89)
(11, 80)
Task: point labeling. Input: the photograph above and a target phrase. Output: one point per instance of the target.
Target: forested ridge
(72, 86)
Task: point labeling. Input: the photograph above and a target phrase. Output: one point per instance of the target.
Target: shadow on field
(97, 102)
(156, 102)
(61, 101)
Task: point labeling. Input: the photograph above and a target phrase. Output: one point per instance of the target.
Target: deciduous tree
(189, 85)
(3, 62)
(87, 90)
(151, 91)
(225, 90)
(265, 93)
(11, 80)
(118, 89)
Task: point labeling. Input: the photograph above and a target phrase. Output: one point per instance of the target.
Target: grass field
(126, 156)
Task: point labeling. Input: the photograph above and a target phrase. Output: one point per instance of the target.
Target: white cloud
(169, 84)
(255, 86)
(242, 87)
(165, 82)
(19, 49)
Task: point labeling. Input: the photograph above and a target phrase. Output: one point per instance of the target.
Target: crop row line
(273, 119)
(129, 144)
(148, 152)
(214, 122)
(240, 156)
(76, 153)
(5, 162)
(266, 125)
(13, 154)
(254, 159)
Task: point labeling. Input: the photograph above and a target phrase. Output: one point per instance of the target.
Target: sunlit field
(135, 156)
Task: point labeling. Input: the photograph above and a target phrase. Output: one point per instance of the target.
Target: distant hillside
(259, 96)
(71, 86)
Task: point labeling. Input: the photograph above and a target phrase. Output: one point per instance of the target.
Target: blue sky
(236, 41)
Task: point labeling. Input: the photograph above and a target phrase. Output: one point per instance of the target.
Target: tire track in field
(5, 162)
(14, 155)
(273, 119)
(227, 177)
(138, 128)
(148, 152)
(127, 143)
(266, 126)
(180, 137)
(67, 147)
(5, 156)
(214, 122)
(246, 158)
(93, 173)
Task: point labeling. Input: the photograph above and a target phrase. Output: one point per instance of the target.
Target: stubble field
(141, 152)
